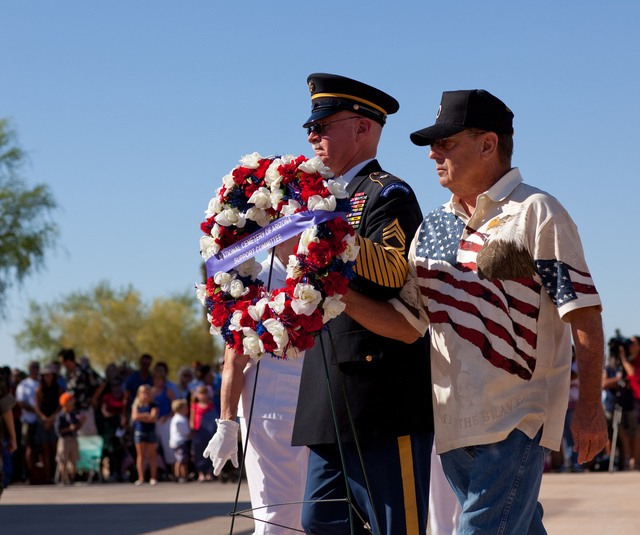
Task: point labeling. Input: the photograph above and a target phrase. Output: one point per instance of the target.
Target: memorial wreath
(262, 202)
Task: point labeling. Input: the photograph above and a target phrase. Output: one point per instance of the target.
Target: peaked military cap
(460, 110)
(331, 93)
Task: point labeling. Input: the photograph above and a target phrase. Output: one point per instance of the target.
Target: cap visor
(320, 114)
(437, 131)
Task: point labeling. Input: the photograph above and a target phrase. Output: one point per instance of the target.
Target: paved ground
(581, 504)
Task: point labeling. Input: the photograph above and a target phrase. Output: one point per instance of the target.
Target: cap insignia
(439, 112)
(312, 87)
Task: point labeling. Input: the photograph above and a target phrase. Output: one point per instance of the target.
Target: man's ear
(363, 128)
(489, 145)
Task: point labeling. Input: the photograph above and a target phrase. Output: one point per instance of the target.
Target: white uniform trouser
(276, 473)
(444, 508)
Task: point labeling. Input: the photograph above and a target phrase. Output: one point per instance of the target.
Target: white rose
(333, 306)
(305, 299)
(293, 268)
(208, 247)
(251, 161)
(215, 207)
(249, 268)
(237, 289)
(337, 187)
(261, 198)
(212, 329)
(201, 293)
(215, 231)
(252, 344)
(316, 202)
(307, 236)
(278, 331)
(277, 303)
(272, 177)
(314, 165)
(234, 322)
(276, 197)
(290, 208)
(257, 311)
(351, 251)
(228, 183)
(223, 278)
(258, 215)
(231, 216)
(293, 353)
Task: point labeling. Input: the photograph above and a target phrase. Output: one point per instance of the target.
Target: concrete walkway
(581, 504)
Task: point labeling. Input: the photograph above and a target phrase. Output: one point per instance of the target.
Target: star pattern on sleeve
(556, 279)
(440, 235)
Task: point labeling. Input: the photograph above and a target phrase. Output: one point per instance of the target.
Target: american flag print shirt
(493, 289)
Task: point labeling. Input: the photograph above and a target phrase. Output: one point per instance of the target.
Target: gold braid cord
(383, 263)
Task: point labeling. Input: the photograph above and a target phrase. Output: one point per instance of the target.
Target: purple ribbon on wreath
(266, 238)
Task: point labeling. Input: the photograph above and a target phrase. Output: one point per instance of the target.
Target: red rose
(207, 225)
(320, 254)
(311, 323)
(301, 340)
(247, 321)
(268, 342)
(254, 291)
(219, 316)
(237, 342)
(241, 175)
(250, 190)
(262, 169)
(334, 283)
(339, 228)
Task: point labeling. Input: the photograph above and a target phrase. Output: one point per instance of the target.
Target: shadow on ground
(109, 519)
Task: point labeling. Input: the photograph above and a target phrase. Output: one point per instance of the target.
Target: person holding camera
(619, 406)
(631, 364)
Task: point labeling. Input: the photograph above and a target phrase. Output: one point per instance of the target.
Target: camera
(615, 343)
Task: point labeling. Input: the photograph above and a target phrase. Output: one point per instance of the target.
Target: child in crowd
(179, 435)
(203, 423)
(68, 422)
(144, 414)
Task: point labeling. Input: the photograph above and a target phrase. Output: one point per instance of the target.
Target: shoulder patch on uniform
(396, 185)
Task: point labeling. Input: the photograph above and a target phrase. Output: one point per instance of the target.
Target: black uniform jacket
(387, 383)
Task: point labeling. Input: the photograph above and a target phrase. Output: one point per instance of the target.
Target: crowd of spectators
(621, 402)
(186, 411)
(111, 405)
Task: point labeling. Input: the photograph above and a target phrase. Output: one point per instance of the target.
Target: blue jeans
(497, 485)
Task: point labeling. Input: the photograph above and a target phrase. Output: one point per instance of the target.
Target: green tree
(26, 229)
(111, 325)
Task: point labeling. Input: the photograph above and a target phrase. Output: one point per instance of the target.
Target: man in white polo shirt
(499, 275)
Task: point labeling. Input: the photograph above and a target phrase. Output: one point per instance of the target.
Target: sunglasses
(445, 142)
(317, 128)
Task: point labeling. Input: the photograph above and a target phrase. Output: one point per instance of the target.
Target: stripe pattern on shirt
(498, 317)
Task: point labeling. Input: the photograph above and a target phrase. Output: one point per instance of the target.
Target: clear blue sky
(132, 111)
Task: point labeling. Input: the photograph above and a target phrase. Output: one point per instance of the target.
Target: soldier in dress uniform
(380, 389)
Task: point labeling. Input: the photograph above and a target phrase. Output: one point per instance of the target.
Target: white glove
(223, 445)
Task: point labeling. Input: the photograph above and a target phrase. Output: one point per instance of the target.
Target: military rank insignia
(357, 206)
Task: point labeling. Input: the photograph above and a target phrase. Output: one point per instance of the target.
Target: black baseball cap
(331, 93)
(459, 110)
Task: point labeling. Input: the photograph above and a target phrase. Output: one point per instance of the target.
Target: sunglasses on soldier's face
(317, 128)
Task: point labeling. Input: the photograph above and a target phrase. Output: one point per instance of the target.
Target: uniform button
(369, 358)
